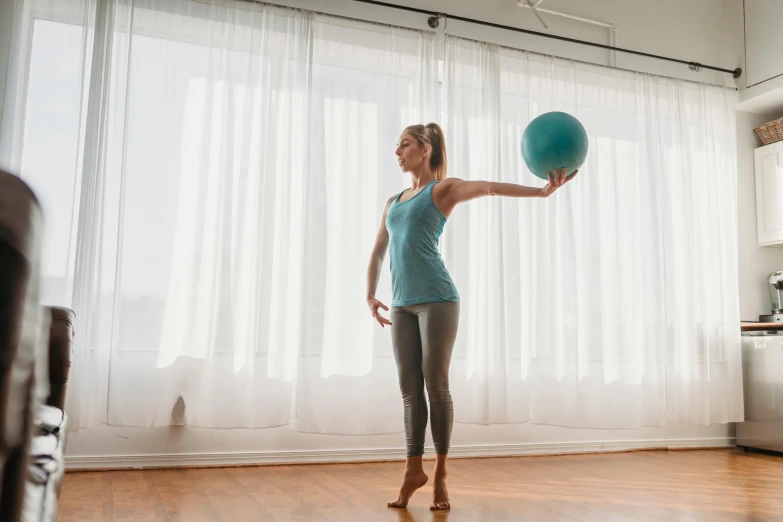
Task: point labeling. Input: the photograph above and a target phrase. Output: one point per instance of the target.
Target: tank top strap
(431, 196)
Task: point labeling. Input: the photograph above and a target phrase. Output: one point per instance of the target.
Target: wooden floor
(714, 485)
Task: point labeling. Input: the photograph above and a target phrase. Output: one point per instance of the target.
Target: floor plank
(708, 485)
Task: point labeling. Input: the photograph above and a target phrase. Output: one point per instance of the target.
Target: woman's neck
(421, 179)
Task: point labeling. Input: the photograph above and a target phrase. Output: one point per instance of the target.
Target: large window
(213, 174)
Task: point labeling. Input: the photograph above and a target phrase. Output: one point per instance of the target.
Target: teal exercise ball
(552, 141)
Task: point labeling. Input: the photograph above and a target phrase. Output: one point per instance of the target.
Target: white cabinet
(763, 40)
(769, 193)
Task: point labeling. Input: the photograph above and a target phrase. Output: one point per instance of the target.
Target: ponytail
(432, 134)
(438, 158)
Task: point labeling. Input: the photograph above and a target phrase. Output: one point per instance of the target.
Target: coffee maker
(775, 282)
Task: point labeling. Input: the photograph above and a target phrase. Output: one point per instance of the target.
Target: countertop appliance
(775, 282)
(762, 374)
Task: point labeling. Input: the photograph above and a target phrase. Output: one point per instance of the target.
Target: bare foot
(410, 483)
(440, 495)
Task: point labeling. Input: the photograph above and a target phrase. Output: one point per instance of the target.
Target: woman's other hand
(374, 305)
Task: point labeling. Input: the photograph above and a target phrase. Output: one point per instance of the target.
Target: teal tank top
(417, 269)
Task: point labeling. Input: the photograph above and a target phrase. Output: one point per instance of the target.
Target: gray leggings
(423, 337)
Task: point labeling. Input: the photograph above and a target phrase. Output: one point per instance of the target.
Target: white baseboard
(184, 460)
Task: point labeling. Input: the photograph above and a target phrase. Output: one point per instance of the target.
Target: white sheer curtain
(220, 191)
(613, 304)
(213, 174)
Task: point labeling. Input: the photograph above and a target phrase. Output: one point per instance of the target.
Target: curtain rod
(434, 21)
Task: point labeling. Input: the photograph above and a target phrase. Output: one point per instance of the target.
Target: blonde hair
(432, 134)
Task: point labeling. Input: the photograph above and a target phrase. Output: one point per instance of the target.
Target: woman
(425, 303)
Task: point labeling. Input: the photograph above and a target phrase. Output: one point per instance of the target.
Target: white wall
(107, 447)
(6, 24)
(705, 31)
(763, 40)
(760, 103)
(709, 31)
(755, 262)
(762, 84)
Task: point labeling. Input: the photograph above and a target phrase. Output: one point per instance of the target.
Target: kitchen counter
(752, 327)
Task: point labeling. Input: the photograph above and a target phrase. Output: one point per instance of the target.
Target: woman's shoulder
(446, 184)
(390, 201)
(450, 182)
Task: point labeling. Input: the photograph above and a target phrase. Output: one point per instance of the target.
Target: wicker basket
(770, 132)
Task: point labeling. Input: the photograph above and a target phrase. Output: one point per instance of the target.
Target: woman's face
(410, 154)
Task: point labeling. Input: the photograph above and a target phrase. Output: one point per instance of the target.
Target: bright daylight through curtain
(213, 174)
